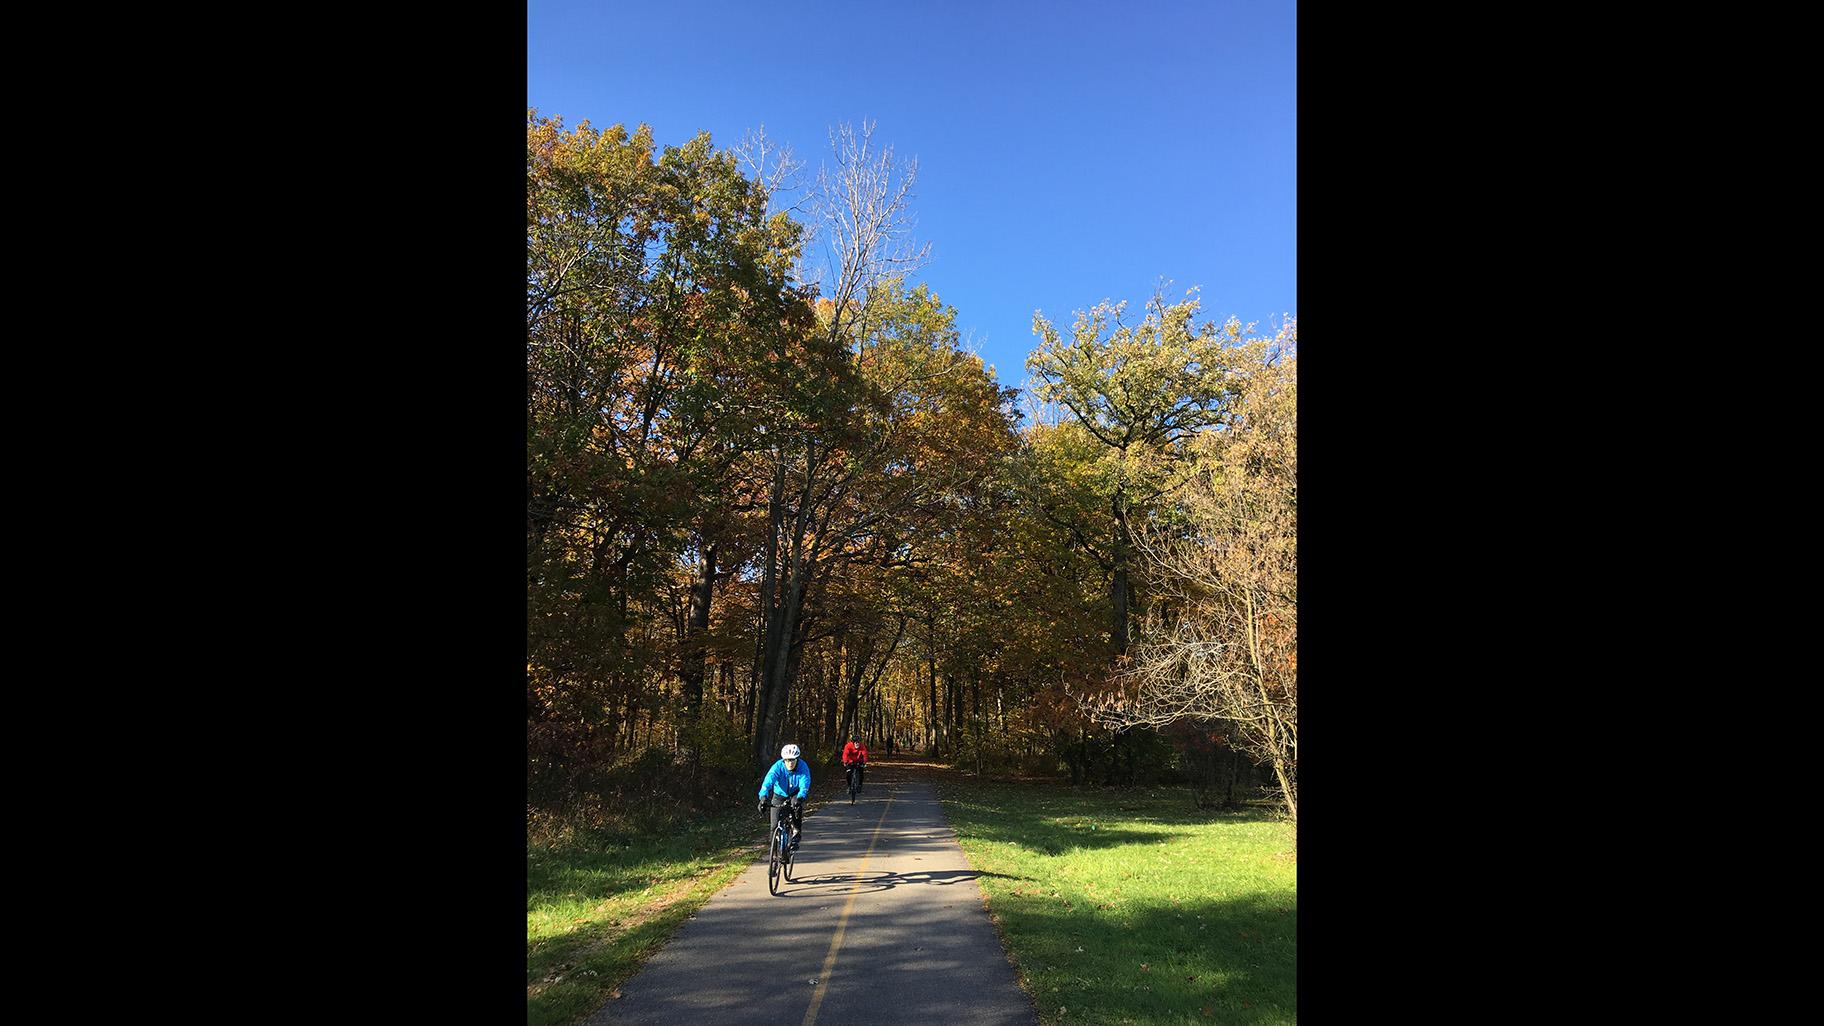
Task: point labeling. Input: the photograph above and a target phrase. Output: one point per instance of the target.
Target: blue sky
(1068, 152)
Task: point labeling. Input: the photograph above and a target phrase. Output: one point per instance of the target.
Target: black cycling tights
(772, 817)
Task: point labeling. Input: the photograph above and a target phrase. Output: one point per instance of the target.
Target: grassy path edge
(574, 974)
(614, 950)
(1108, 945)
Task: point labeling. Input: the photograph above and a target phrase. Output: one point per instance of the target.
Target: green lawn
(598, 903)
(600, 900)
(1131, 906)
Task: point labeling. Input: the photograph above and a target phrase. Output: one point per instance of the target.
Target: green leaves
(1147, 387)
(657, 290)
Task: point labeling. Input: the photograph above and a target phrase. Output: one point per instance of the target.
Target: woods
(772, 496)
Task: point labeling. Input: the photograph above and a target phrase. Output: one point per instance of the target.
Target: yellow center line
(829, 961)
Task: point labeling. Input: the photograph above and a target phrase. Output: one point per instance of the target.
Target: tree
(1142, 392)
(909, 425)
(761, 510)
(654, 287)
(845, 440)
(1220, 641)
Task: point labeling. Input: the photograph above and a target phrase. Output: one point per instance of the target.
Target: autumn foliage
(770, 499)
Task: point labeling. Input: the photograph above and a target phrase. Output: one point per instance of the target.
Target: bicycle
(854, 773)
(779, 854)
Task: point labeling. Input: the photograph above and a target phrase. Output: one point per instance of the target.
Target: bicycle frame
(779, 850)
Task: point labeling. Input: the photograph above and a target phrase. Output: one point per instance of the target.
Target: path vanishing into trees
(883, 924)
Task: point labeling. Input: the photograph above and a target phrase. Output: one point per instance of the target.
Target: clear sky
(1069, 152)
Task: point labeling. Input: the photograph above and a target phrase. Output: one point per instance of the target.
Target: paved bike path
(884, 914)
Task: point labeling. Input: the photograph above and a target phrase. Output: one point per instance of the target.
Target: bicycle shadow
(884, 880)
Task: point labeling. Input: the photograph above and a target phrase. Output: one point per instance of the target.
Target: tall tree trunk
(690, 669)
(831, 685)
(870, 693)
(931, 720)
(777, 594)
(763, 605)
(975, 717)
(949, 689)
(781, 657)
(858, 664)
(1118, 588)
(752, 703)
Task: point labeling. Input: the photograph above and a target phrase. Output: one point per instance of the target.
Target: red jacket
(853, 752)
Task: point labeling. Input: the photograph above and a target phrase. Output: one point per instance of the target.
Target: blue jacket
(790, 783)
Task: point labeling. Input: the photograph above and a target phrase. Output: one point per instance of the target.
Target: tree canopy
(772, 496)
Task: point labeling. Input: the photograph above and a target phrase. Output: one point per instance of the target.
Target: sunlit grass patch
(1132, 906)
(598, 902)
(608, 885)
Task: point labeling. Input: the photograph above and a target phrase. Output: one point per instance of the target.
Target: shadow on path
(881, 881)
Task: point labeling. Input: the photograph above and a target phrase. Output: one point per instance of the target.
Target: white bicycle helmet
(789, 752)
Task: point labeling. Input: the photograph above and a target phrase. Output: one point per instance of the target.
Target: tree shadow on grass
(1051, 838)
(1213, 961)
(1175, 805)
(1053, 820)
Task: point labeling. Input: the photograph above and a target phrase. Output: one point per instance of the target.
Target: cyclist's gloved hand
(763, 805)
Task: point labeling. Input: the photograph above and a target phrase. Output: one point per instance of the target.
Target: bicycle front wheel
(773, 865)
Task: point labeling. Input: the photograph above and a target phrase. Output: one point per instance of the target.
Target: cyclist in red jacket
(854, 762)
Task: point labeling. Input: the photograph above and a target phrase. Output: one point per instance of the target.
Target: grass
(1131, 906)
(602, 898)
(598, 902)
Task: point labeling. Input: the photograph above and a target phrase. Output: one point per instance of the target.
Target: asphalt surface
(882, 924)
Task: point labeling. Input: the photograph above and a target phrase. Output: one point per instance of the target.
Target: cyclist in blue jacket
(786, 785)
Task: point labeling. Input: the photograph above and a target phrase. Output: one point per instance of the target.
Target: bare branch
(863, 206)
